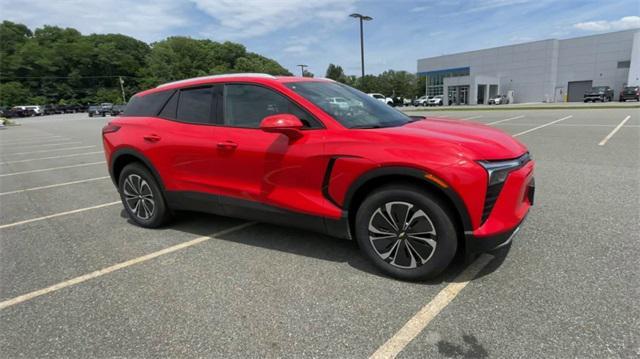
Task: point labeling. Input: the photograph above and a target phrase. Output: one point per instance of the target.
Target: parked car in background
(35, 110)
(421, 101)
(498, 100)
(414, 192)
(116, 110)
(599, 93)
(340, 102)
(94, 110)
(630, 93)
(383, 98)
(22, 111)
(50, 109)
(435, 101)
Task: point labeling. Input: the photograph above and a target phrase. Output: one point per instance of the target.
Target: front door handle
(152, 138)
(227, 145)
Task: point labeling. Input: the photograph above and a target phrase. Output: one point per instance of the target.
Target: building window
(624, 64)
(435, 79)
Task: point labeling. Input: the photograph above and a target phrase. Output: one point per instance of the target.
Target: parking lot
(78, 280)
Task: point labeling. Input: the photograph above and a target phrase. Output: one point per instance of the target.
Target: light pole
(362, 18)
(302, 69)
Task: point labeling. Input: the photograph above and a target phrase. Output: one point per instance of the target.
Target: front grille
(490, 200)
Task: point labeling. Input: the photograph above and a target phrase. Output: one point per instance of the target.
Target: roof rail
(246, 74)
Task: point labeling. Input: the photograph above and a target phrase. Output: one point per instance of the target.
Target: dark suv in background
(599, 93)
(630, 93)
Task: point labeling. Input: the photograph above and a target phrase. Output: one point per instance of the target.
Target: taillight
(109, 128)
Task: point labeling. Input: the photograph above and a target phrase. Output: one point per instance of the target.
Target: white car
(435, 101)
(498, 100)
(339, 102)
(421, 101)
(383, 98)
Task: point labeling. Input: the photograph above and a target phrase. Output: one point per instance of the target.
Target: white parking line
(505, 120)
(8, 225)
(20, 146)
(49, 150)
(34, 142)
(604, 141)
(115, 267)
(53, 185)
(422, 318)
(471, 118)
(52, 157)
(542, 126)
(51, 169)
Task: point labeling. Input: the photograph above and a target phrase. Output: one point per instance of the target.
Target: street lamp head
(360, 16)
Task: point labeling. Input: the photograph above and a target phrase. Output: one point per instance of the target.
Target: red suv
(317, 154)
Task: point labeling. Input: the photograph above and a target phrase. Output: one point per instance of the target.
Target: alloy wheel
(402, 235)
(139, 197)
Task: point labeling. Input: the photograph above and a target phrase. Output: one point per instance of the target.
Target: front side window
(247, 105)
(195, 105)
(350, 107)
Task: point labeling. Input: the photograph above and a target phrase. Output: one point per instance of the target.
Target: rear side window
(195, 105)
(147, 105)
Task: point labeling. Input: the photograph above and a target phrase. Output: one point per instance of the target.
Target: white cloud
(147, 20)
(251, 18)
(625, 23)
(420, 8)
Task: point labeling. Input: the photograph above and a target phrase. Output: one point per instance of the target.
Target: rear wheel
(141, 196)
(406, 232)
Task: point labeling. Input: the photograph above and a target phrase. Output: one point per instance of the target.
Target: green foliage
(336, 73)
(13, 93)
(60, 65)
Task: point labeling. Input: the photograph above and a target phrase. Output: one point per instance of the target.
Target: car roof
(250, 77)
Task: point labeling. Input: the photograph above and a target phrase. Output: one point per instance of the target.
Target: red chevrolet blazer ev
(320, 155)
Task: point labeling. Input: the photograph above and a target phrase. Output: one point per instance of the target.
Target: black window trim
(214, 104)
(218, 105)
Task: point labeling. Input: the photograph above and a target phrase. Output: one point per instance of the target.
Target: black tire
(130, 192)
(408, 262)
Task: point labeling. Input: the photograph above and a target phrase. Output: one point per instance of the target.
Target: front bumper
(486, 244)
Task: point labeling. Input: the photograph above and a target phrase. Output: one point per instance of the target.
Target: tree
(306, 73)
(336, 73)
(12, 94)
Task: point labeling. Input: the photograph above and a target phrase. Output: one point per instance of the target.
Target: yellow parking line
(422, 318)
(113, 268)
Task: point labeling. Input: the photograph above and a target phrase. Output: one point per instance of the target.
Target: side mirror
(284, 123)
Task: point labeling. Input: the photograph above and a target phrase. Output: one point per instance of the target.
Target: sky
(319, 32)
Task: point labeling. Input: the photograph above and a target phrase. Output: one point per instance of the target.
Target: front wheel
(141, 196)
(406, 232)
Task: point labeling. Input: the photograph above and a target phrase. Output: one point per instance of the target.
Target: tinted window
(171, 108)
(148, 105)
(248, 105)
(195, 105)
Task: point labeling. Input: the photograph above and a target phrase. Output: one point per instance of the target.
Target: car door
(185, 144)
(269, 169)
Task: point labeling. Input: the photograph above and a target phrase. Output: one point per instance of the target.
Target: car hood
(481, 142)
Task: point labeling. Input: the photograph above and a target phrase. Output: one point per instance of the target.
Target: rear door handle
(152, 138)
(227, 145)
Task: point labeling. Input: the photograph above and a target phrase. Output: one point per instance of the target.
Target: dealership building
(540, 71)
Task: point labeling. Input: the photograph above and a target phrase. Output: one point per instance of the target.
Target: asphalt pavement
(77, 279)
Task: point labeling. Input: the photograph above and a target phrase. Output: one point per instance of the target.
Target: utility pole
(124, 100)
(302, 69)
(361, 18)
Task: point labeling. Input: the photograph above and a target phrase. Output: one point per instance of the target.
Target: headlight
(499, 170)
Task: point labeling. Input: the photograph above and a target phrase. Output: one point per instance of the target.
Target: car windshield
(630, 88)
(356, 109)
(600, 89)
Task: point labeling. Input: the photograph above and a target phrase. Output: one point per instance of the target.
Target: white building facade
(540, 71)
